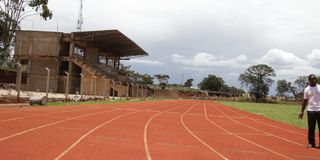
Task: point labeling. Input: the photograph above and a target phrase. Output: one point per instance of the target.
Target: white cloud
(288, 66)
(278, 57)
(197, 69)
(148, 62)
(209, 60)
(314, 57)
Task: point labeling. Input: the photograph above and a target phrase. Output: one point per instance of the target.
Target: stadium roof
(110, 42)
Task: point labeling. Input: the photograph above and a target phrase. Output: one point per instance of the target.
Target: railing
(104, 68)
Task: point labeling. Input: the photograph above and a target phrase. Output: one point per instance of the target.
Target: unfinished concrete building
(90, 59)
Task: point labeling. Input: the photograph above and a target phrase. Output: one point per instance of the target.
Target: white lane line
(235, 117)
(246, 151)
(108, 138)
(178, 145)
(258, 130)
(267, 124)
(79, 109)
(219, 133)
(174, 112)
(307, 157)
(50, 124)
(94, 129)
(192, 114)
(201, 141)
(24, 117)
(145, 138)
(279, 154)
(85, 135)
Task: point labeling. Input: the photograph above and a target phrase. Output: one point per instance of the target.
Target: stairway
(99, 70)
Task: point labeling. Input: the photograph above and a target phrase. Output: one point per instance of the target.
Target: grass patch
(92, 102)
(109, 101)
(286, 113)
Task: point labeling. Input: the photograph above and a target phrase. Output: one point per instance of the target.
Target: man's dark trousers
(313, 118)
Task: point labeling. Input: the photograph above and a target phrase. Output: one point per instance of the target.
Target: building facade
(79, 62)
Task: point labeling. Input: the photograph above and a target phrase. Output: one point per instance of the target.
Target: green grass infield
(286, 113)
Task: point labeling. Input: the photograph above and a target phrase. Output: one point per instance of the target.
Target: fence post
(48, 81)
(94, 87)
(67, 86)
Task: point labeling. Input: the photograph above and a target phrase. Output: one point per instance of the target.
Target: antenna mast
(80, 18)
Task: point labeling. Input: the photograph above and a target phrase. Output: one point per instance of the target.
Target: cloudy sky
(194, 38)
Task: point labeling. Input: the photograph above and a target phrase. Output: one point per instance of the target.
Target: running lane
(50, 139)
(121, 138)
(169, 139)
(289, 144)
(177, 129)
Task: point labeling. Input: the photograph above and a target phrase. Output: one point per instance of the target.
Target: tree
(163, 79)
(235, 90)
(283, 87)
(224, 88)
(298, 86)
(188, 83)
(211, 83)
(12, 13)
(257, 79)
(146, 79)
(135, 76)
(293, 90)
(300, 83)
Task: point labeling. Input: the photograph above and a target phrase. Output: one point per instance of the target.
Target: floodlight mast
(80, 17)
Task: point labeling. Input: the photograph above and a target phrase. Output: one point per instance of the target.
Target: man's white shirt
(313, 96)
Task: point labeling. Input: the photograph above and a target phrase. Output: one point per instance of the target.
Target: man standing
(311, 97)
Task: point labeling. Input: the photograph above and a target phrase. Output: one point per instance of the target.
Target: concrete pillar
(71, 52)
(81, 86)
(113, 85)
(18, 81)
(106, 88)
(132, 90)
(128, 89)
(137, 90)
(120, 89)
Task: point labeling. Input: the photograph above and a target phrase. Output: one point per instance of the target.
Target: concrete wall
(29, 43)
(41, 49)
(37, 75)
(102, 85)
(92, 55)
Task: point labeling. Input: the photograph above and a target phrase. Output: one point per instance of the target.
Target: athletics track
(177, 129)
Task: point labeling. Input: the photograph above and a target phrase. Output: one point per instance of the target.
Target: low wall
(8, 76)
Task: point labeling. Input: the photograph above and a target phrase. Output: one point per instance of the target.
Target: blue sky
(195, 38)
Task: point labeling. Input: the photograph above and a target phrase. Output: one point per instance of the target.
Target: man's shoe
(311, 146)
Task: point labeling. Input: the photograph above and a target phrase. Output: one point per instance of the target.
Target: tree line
(209, 83)
(257, 79)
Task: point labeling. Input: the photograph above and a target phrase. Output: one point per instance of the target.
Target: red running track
(177, 129)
